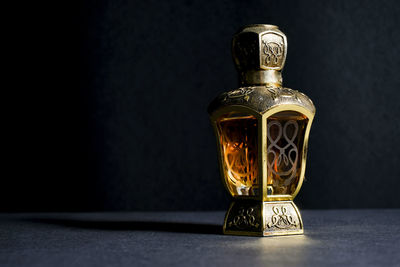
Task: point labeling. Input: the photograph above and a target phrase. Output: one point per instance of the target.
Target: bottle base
(258, 218)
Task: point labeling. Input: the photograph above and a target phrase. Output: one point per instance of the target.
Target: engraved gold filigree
(244, 219)
(280, 219)
(273, 52)
(262, 98)
(240, 92)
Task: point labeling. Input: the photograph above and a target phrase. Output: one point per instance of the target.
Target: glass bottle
(262, 132)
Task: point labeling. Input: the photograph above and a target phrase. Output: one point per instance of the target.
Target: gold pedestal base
(257, 218)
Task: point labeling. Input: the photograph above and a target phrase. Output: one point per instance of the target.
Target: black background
(110, 111)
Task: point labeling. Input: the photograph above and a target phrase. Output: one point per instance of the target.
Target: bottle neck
(261, 77)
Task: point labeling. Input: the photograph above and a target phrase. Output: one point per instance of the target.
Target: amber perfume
(262, 132)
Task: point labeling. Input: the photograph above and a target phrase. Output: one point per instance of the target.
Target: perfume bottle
(262, 132)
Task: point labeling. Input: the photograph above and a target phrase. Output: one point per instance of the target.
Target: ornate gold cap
(259, 52)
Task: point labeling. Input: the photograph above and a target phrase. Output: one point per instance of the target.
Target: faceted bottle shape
(262, 131)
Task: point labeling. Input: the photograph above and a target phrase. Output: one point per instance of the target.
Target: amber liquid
(239, 148)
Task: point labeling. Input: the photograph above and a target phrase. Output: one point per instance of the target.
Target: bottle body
(262, 134)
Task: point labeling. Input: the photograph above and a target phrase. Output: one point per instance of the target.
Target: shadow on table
(175, 227)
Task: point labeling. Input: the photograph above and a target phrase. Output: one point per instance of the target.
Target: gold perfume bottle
(262, 132)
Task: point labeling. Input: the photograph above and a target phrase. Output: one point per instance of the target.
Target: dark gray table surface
(332, 238)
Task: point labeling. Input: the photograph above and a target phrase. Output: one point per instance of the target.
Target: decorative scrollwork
(280, 219)
(244, 219)
(284, 159)
(273, 91)
(273, 52)
(240, 92)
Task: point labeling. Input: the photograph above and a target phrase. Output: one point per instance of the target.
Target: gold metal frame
(284, 99)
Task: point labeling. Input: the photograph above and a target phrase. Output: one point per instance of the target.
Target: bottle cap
(259, 52)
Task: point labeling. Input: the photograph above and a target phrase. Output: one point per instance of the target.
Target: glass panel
(238, 141)
(285, 138)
